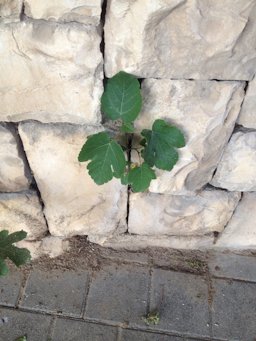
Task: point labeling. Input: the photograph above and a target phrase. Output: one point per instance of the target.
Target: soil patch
(85, 255)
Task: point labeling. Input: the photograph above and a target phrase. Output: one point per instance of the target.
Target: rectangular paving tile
(14, 324)
(234, 310)
(69, 330)
(119, 294)
(233, 266)
(182, 302)
(10, 288)
(134, 335)
(57, 291)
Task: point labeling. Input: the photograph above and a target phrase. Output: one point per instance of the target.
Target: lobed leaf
(140, 177)
(18, 256)
(122, 98)
(106, 157)
(159, 145)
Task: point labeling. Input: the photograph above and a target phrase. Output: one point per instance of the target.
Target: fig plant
(122, 101)
(18, 256)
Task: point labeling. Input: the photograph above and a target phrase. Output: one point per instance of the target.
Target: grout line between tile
(87, 294)
(23, 288)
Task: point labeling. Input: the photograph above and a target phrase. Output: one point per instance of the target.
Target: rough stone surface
(181, 38)
(247, 117)
(237, 168)
(14, 175)
(49, 246)
(234, 312)
(22, 211)
(83, 11)
(19, 323)
(50, 72)
(139, 242)
(181, 301)
(62, 292)
(206, 112)
(74, 204)
(240, 232)
(156, 214)
(54, 246)
(10, 10)
(126, 286)
(76, 331)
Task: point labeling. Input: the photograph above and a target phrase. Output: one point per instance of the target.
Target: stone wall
(196, 60)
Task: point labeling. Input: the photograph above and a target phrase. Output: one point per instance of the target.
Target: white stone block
(138, 242)
(74, 204)
(240, 233)
(82, 11)
(50, 72)
(202, 214)
(48, 246)
(206, 112)
(237, 168)
(14, 173)
(247, 117)
(10, 10)
(201, 39)
(22, 211)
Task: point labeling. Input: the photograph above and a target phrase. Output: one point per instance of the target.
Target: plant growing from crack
(18, 256)
(152, 318)
(122, 100)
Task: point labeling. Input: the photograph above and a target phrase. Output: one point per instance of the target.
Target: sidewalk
(205, 297)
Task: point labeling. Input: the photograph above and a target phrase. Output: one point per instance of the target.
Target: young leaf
(158, 150)
(106, 155)
(122, 98)
(124, 179)
(127, 127)
(3, 268)
(22, 338)
(18, 256)
(140, 177)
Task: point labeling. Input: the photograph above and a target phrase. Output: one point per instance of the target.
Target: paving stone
(69, 330)
(14, 324)
(62, 292)
(233, 266)
(119, 294)
(132, 335)
(9, 288)
(234, 312)
(182, 302)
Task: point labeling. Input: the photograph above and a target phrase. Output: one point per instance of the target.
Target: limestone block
(83, 11)
(240, 232)
(14, 173)
(22, 211)
(138, 242)
(48, 246)
(206, 111)
(159, 214)
(50, 72)
(201, 39)
(74, 204)
(247, 117)
(237, 168)
(10, 10)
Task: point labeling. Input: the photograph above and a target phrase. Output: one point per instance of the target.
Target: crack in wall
(217, 237)
(33, 185)
(22, 13)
